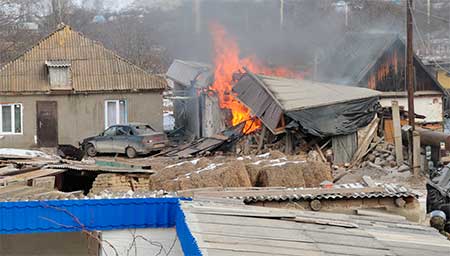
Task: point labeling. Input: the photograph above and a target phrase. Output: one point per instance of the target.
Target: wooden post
(397, 132)
(288, 149)
(416, 149)
(261, 138)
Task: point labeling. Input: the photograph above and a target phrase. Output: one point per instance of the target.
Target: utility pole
(197, 16)
(281, 14)
(410, 76)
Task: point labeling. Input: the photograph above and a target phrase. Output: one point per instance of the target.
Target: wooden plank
(354, 249)
(31, 175)
(210, 238)
(359, 154)
(324, 222)
(416, 151)
(259, 249)
(397, 133)
(346, 240)
(280, 224)
(252, 232)
(261, 138)
(369, 181)
(424, 240)
(319, 151)
(221, 252)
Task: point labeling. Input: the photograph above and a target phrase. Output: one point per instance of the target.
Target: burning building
(377, 61)
(204, 103)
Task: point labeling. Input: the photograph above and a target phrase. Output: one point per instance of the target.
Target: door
(47, 123)
(122, 139)
(104, 143)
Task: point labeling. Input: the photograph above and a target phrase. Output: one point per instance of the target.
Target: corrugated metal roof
(339, 191)
(74, 215)
(296, 94)
(190, 73)
(93, 67)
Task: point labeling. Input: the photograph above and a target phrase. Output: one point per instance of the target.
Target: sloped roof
(190, 73)
(296, 94)
(353, 56)
(231, 229)
(93, 67)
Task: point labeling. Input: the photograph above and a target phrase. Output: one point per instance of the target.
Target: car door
(104, 143)
(121, 140)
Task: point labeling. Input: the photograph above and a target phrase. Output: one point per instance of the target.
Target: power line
(433, 16)
(424, 44)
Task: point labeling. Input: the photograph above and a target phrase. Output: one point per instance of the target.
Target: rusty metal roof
(93, 67)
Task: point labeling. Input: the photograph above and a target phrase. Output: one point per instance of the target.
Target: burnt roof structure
(375, 60)
(270, 98)
(92, 67)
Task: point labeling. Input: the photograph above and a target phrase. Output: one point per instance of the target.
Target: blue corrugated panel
(187, 240)
(75, 215)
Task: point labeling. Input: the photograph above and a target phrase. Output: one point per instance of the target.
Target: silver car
(131, 139)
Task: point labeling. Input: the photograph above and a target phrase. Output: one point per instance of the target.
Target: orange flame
(227, 62)
(388, 66)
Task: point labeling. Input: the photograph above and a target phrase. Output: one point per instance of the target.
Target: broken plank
(323, 222)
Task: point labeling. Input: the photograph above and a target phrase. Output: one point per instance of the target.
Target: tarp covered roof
(270, 97)
(190, 73)
(302, 94)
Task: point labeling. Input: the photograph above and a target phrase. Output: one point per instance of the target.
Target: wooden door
(47, 123)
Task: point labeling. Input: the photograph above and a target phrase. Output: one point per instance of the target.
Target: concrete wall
(122, 240)
(48, 244)
(81, 116)
(429, 106)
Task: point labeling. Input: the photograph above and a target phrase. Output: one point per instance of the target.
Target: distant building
(68, 87)
(377, 61)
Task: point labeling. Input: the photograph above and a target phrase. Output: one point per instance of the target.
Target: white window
(115, 112)
(11, 118)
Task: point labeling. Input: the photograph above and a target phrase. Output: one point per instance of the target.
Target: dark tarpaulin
(337, 119)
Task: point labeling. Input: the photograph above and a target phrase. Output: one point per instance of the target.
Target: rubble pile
(269, 169)
(383, 158)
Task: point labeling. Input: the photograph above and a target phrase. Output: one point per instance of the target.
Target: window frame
(117, 103)
(13, 119)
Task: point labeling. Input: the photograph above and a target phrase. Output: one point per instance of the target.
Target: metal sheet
(93, 67)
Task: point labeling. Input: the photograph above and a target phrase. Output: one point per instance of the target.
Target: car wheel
(130, 152)
(90, 150)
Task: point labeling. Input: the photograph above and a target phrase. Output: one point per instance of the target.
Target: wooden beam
(397, 132)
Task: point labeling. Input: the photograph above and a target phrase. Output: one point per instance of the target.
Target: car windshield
(143, 129)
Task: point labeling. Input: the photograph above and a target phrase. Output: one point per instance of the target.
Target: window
(59, 75)
(11, 118)
(110, 132)
(115, 112)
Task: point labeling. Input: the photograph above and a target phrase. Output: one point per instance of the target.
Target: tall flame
(227, 62)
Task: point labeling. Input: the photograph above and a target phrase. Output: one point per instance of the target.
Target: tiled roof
(93, 67)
